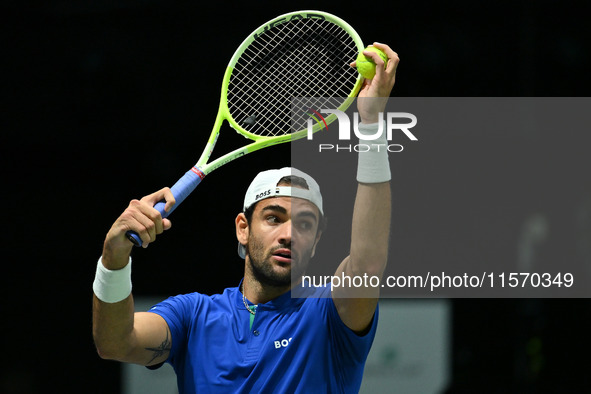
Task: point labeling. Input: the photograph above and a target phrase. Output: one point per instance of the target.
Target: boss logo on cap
(262, 195)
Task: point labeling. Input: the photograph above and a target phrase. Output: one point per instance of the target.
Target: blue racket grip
(180, 190)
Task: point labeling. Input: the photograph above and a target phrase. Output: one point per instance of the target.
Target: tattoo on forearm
(162, 349)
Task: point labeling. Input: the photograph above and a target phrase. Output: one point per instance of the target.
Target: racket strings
(317, 43)
(302, 58)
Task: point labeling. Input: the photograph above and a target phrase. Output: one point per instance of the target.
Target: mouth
(282, 255)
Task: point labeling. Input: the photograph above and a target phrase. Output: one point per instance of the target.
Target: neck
(259, 293)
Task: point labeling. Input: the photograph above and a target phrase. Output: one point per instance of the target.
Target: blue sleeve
(353, 347)
(178, 312)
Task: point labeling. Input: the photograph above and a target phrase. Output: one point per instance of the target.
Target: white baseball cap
(264, 186)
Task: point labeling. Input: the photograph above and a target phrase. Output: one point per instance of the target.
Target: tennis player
(256, 337)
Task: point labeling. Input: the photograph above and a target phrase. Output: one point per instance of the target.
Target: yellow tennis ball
(366, 66)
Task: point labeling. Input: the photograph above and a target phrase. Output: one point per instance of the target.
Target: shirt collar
(282, 302)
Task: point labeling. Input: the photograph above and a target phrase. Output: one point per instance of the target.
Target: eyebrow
(309, 214)
(278, 208)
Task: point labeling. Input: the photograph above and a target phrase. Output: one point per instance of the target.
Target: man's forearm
(113, 308)
(371, 229)
(112, 325)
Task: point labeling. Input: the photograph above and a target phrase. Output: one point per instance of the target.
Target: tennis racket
(298, 54)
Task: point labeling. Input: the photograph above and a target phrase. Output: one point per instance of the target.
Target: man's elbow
(109, 350)
(370, 264)
(107, 353)
(104, 353)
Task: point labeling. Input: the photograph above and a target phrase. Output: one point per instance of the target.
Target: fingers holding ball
(366, 61)
(376, 54)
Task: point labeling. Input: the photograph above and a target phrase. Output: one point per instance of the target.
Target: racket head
(298, 54)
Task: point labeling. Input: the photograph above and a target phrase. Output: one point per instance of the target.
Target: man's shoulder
(197, 298)
(226, 296)
(309, 291)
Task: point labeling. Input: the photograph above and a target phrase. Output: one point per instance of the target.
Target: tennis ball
(366, 66)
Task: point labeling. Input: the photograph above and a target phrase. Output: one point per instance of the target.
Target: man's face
(282, 238)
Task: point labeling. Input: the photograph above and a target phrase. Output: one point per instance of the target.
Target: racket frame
(188, 182)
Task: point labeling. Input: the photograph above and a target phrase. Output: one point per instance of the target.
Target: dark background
(105, 101)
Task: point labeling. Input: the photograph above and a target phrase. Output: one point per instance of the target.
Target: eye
(304, 225)
(271, 219)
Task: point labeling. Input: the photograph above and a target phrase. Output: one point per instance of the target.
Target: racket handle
(180, 190)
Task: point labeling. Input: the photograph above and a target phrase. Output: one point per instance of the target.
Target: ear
(242, 229)
(316, 243)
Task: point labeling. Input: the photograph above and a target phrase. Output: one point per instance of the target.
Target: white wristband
(112, 286)
(373, 165)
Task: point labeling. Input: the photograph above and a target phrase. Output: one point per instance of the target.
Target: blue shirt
(295, 345)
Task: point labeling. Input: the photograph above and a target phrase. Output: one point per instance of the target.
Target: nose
(284, 237)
